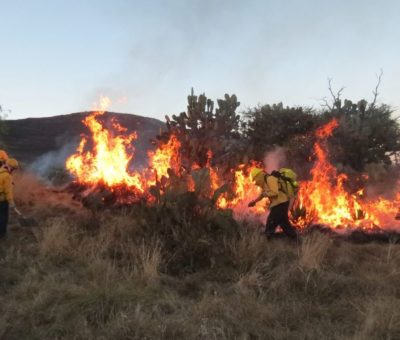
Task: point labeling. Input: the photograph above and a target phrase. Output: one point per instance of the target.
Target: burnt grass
(183, 270)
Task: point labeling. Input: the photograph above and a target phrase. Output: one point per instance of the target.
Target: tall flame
(325, 197)
(104, 158)
(107, 162)
(166, 157)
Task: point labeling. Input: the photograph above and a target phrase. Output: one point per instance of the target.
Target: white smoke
(52, 160)
(275, 159)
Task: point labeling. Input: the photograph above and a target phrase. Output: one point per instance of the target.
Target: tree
(202, 130)
(274, 125)
(367, 133)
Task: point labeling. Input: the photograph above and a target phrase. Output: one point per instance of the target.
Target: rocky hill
(36, 142)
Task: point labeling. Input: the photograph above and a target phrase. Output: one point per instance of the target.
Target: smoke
(41, 200)
(383, 181)
(46, 165)
(275, 159)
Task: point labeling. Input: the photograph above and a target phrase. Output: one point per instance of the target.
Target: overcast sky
(59, 56)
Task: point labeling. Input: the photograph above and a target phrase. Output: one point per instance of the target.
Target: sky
(60, 56)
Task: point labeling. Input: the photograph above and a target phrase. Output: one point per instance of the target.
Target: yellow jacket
(270, 188)
(6, 186)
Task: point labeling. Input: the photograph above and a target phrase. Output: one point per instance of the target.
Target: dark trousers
(279, 216)
(3, 218)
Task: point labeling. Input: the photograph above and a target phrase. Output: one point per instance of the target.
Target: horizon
(6, 118)
(147, 56)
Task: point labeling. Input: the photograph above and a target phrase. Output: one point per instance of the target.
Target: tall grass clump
(313, 250)
(149, 259)
(55, 238)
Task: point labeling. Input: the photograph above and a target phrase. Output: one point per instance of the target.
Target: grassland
(184, 272)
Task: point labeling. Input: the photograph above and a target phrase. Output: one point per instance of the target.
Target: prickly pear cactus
(206, 133)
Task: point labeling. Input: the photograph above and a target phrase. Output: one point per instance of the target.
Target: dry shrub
(313, 251)
(248, 250)
(54, 240)
(149, 258)
(251, 282)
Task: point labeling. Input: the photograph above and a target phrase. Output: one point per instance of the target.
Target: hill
(33, 139)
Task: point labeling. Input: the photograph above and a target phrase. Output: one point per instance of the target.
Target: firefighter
(6, 193)
(279, 186)
(3, 157)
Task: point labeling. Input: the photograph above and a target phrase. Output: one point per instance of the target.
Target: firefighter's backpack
(287, 181)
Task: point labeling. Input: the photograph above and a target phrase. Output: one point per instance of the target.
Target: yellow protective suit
(6, 186)
(270, 188)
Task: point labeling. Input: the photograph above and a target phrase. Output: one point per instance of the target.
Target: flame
(108, 160)
(325, 196)
(244, 190)
(165, 157)
(104, 157)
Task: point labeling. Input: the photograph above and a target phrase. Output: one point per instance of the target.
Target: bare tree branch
(375, 91)
(326, 104)
(335, 97)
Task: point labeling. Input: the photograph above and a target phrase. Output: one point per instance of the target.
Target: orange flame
(104, 158)
(109, 159)
(244, 190)
(326, 198)
(166, 157)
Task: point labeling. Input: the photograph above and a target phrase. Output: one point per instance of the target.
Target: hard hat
(255, 172)
(3, 155)
(13, 163)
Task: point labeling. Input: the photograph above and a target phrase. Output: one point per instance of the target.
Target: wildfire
(326, 199)
(244, 190)
(104, 158)
(165, 157)
(108, 161)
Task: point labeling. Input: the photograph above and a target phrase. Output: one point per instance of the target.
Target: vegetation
(368, 136)
(179, 271)
(202, 129)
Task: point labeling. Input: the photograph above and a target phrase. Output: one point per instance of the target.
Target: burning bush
(189, 161)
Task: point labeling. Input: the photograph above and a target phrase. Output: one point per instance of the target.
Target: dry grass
(149, 258)
(313, 251)
(249, 250)
(381, 319)
(54, 239)
(111, 278)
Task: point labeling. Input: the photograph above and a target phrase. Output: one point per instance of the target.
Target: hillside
(28, 139)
